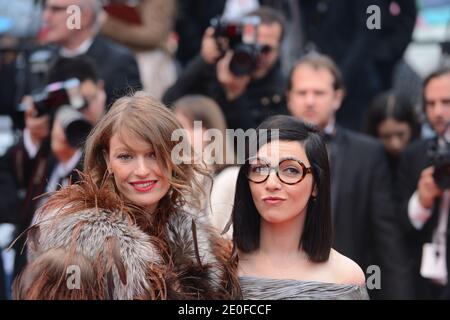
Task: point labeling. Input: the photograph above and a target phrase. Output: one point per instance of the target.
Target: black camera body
(241, 37)
(57, 94)
(63, 99)
(439, 154)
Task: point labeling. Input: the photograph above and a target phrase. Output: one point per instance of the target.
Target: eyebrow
(281, 159)
(290, 158)
(122, 137)
(126, 148)
(119, 149)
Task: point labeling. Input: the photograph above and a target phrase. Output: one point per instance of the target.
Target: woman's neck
(281, 240)
(279, 254)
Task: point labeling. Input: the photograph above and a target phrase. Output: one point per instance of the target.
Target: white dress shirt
(418, 215)
(61, 171)
(82, 49)
(31, 148)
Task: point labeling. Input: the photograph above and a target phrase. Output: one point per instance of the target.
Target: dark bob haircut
(389, 105)
(317, 234)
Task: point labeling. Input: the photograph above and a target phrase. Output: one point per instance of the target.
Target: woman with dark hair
(282, 219)
(392, 119)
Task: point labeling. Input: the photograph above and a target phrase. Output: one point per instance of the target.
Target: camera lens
(244, 60)
(75, 126)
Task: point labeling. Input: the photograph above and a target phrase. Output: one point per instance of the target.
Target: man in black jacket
(116, 64)
(424, 194)
(44, 158)
(346, 31)
(365, 224)
(245, 100)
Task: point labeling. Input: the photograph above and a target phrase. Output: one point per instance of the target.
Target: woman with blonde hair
(127, 220)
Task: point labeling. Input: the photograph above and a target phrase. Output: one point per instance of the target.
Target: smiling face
(136, 171)
(276, 201)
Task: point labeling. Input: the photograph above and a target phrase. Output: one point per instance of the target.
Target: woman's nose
(142, 167)
(272, 182)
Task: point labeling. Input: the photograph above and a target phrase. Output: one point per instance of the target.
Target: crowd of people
(338, 177)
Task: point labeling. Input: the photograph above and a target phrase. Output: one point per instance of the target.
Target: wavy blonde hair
(147, 119)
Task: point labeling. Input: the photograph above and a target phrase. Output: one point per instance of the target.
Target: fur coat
(86, 244)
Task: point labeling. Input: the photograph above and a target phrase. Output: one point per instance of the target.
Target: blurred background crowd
(373, 75)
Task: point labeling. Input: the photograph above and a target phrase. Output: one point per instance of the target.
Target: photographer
(50, 149)
(115, 63)
(244, 78)
(424, 184)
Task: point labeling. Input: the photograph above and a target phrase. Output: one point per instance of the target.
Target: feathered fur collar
(92, 227)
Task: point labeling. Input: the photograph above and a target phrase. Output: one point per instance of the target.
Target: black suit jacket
(412, 162)
(339, 30)
(116, 66)
(29, 178)
(262, 98)
(364, 216)
(194, 16)
(9, 207)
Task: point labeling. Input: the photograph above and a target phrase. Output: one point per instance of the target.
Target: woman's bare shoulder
(345, 270)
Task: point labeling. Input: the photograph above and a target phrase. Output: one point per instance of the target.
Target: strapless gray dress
(255, 288)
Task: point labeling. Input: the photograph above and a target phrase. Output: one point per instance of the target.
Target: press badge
(434, 265)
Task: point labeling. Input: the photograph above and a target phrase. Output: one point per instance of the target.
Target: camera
(58, 94)
(241, 37)
(76, 127)
(439, 154)
(64, 100)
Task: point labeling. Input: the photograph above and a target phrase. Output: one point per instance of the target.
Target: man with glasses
(365, 223)
(116, 64)
(246, 100)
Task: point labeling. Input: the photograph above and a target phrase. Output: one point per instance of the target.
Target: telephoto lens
(244, 60)
(75, 126)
